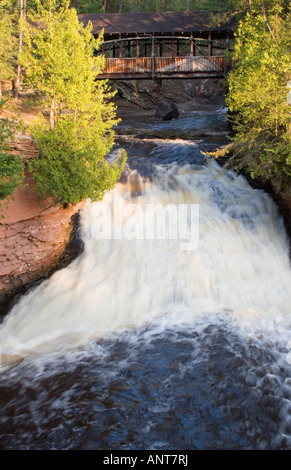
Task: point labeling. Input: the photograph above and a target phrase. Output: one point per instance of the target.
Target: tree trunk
(22, 5)
(52, 114)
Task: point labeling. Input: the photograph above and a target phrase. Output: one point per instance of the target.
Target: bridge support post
(209, 44)
(120, 48)
(192, 45)
(153, 58)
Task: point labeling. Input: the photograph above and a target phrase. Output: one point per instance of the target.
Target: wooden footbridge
(161, 45)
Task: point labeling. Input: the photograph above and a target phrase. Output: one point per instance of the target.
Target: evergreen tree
(60, 61)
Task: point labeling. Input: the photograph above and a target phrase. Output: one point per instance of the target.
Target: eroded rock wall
(146, 93)
(33, 232)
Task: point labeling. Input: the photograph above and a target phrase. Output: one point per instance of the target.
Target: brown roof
(165, 22)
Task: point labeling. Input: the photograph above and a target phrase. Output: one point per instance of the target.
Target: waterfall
(170, 331)
(179, 240)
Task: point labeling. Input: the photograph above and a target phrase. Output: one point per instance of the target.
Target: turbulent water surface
(172, 329)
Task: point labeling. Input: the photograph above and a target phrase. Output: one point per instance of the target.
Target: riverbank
(37, 237)
(139, 99)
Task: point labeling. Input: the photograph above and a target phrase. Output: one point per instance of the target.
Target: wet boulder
(166, 110)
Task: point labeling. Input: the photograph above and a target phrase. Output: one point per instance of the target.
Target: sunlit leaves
(60, 62)
(8, 39)
(11, 166)
(258, 95)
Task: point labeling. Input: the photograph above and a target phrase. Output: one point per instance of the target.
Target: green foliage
(214, 11)
(59, 57)
(60, 62)
(70, 167)
(88, 6)
(11, 166)
(8, 39)
(257, 96)
(125, 6)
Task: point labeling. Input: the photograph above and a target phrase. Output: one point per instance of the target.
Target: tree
(227, 8)
(11, 166)
(257, 96)
(87, 6)
(22, 13)
(8, 41)
(59, 60)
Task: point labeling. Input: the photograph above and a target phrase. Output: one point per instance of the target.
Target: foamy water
(237, 261)
(172, 317)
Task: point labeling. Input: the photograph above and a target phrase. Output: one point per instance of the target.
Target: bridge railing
(164, 46)
(164, 67)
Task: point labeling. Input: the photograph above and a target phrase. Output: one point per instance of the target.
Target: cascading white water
(239, 264)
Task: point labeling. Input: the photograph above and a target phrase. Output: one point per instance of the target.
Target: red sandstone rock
(33, 232)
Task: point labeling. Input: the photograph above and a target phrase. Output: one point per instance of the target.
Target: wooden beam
(192, 46)
(120, 48)
(153, 57)
(209, 44)
(161, 48)
(128, 48)
(173, 48)
(227, 41)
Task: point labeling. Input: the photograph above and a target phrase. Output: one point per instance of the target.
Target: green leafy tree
(227, 8)
(21, 15)
(8, 41)
(87, 6)
(60, 61)
(257, 96)
(11, 40)
(11, 166)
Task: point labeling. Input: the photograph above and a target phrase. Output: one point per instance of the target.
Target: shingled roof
(147, 23)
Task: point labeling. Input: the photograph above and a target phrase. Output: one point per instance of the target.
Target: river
(172, 330)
